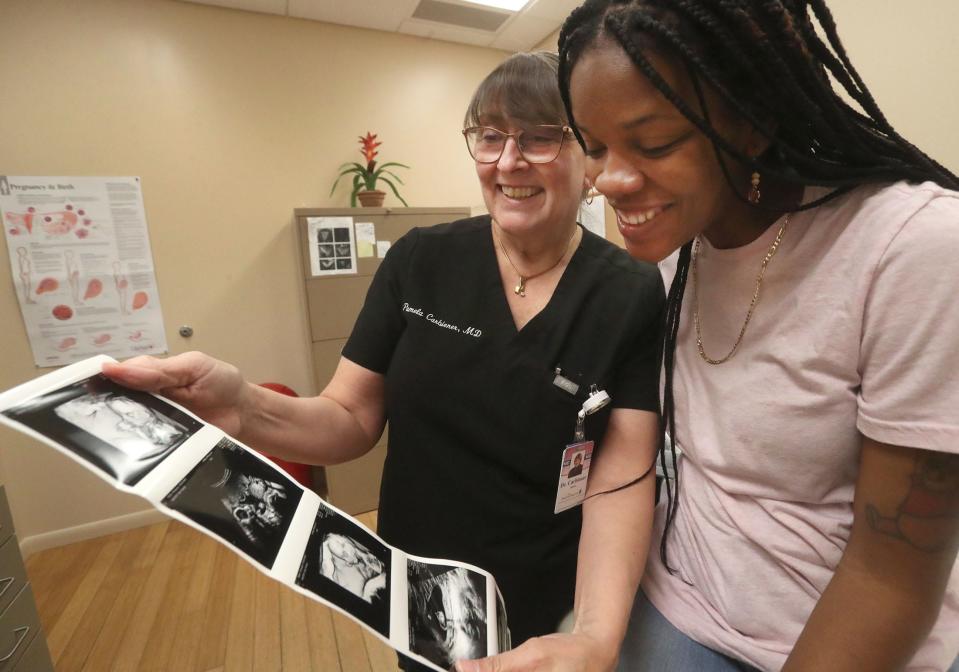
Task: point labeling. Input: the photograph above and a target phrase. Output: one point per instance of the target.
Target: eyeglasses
(536, 144)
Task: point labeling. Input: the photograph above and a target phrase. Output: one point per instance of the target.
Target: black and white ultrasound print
(242, 499)
(348, 566)
(121, 432)
(447, 612)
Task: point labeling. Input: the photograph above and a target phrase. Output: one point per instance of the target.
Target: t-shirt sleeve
(636, 381)
(909, 353)
(380, 323)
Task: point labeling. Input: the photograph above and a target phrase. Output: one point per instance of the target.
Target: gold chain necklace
(770, 253)
(520, 289)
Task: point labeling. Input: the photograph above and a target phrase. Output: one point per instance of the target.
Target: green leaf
(352, 166)
(393, 175)
(346, 172)
(357, 183)
(393, 187)
(343, 172)
(363, 177)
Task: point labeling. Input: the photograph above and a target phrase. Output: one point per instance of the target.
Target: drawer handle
(23, 635)
(7, 582)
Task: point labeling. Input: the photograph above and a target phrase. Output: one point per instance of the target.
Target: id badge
(573, 472)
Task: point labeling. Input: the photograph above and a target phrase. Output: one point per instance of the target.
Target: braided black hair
(767, 63)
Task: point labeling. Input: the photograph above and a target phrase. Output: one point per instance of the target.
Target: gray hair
(524, 87)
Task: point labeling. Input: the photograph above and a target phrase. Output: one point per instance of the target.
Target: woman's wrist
(606, 640)
(248, 408)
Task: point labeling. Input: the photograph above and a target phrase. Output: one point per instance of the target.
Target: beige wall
(550, 43)
(232, 119)
(906, 53)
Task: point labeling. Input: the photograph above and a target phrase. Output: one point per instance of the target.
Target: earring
(754, 193)
(590, 194)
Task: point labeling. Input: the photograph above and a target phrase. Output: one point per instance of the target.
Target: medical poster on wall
(436, 611)
(82, 266)
(332, 245)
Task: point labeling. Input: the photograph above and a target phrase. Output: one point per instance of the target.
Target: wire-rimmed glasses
(536, 144)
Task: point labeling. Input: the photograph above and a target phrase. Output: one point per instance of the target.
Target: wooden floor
(166, 597)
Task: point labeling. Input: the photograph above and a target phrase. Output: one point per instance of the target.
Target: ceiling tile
(554, 10)
(419, 28)
(376, 14)
(523, 32)
(438, 31)
(264, 6)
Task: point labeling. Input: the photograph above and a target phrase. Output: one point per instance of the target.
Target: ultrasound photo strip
(435, 611)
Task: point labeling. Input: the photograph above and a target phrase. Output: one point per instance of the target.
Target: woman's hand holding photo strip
(435, 611)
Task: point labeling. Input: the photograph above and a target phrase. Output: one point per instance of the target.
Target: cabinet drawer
(13, 575)
(36, 658)
(19, 624)
(6, 520)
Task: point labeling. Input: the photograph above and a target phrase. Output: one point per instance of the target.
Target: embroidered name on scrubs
(443, 324)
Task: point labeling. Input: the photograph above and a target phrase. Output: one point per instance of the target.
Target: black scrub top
(477, 428)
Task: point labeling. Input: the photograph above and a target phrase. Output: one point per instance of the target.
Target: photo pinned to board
(348, 566)
(332, 245)
(433, 610)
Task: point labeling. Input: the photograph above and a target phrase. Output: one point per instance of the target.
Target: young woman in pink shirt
(811, 340)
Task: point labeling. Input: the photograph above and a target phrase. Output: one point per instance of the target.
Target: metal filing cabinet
(23, 647)
(334, 302)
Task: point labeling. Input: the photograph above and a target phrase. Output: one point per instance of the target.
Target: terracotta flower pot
(371, 199)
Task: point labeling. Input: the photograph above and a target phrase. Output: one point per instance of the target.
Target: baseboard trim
(99, 528)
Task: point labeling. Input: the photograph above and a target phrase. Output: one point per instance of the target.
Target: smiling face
(659, 172)
(525, 197)
(540, 200)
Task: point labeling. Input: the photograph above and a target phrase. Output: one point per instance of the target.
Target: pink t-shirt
(856, 331)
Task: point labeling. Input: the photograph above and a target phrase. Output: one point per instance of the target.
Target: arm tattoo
(926, 519)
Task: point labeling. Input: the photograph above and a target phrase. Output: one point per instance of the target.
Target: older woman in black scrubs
(479, 342)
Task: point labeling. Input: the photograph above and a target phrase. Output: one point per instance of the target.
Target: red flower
(369, 145)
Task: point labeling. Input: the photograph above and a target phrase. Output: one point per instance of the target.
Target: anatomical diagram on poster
(435, 611)
(82, 266)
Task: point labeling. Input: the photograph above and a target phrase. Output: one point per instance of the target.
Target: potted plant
(365, 178)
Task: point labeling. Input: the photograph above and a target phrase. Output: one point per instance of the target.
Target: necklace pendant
(520, 289)
(770, 253)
